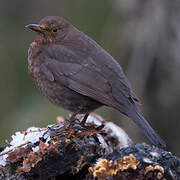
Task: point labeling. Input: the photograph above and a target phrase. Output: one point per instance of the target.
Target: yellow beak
(34, 27)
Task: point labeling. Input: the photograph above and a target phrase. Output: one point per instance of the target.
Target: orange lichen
(161, 171)
(129, 162)
(159, 168)
(18, 154)
(34, 157)
(103, 169)
(159, 175)
(71, 133)
(30, 161)
(48, 149)
(148, 169)
(153, 168)
(106, 167)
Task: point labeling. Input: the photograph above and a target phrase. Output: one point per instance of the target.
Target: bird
(77, 74)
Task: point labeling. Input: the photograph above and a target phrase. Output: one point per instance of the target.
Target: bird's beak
(34, 27)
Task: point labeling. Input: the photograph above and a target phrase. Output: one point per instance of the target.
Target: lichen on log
(98, 149)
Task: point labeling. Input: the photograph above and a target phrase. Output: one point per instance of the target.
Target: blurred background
(143, 36)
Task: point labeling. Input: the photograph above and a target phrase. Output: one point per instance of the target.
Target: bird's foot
(81, 129)
(84, 120)
(73, 120)
(73, 117)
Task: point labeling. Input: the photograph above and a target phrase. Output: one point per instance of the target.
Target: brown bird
(77, 74)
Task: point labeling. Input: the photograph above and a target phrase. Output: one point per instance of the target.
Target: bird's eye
(54, 29)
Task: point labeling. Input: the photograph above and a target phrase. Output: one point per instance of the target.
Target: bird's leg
(72, 118)
(84, 119)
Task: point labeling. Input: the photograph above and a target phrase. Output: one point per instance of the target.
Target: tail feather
(147, 129)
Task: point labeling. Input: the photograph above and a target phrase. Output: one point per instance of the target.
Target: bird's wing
(82, 78)
(97, 76)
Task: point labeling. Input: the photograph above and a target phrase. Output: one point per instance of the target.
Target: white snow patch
(35, 149)
(116, 131)
(3, 160)
(95, 119)
(104, 144)
(111, 128)
(31, 135)
(155, 154)
(147, 160)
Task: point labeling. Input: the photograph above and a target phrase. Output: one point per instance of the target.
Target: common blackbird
(76, 73)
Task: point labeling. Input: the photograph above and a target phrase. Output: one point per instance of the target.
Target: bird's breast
(34, 59)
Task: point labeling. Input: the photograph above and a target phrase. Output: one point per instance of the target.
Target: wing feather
(81, 79)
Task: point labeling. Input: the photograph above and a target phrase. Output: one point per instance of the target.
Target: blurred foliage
(144, 36)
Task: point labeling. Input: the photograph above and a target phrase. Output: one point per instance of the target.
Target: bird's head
(52, 28)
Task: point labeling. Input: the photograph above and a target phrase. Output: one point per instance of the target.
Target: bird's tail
(147, 129)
